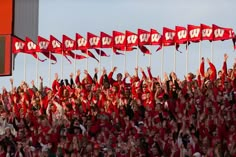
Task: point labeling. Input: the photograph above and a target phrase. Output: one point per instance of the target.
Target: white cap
(197, 154)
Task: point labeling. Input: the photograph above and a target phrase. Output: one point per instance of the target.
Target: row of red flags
(121, 41)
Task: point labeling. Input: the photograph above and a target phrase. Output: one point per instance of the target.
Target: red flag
(207, 33)
(119, 40)
(43, 48)
(131, 39)
(81, 42)
(101, 53)
(117, 53)
(181, 35)
(68, 44)
(73, 55)
(106, 40)
(17, 45)
(55, 45)
(32, 48)
(221, 33)
(90, 54)
(143, 37)
(156, 38)
(168, 37)
(234, 42)
(194, 33)
(144, 49)
(93, 41)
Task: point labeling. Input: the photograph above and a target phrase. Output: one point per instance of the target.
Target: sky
(58, 17)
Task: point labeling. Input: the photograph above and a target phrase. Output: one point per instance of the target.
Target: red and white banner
(93, 41)
(155, 38)
(194, 33)
(43, 44)
(55, 45)
(207, 32)
(106, 40)
(131, 39)
(30, 46)
(181, 35)
(81, 42)
(221, 33)
(119, 40)
(168, 38)
(143, 37)
(18, 45)
(68, 44)
(43, 48)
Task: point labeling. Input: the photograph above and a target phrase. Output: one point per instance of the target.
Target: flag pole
(87, 60)
(62, 64)
(150, 60)
(137, 58)
(186, 58)
(125, 61)
(111, 60)
(74, 63)
(49, 69)
(212, 51)
(37, 64)
(200, 52)
(174, 58)
(162, 63)
(100, 64)
(25, 67)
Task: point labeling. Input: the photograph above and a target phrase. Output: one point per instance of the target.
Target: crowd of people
(126, 116)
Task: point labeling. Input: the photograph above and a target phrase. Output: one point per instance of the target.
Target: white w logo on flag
(19, 45)
(206, 32)
(55, 44)
(31, 45)
(106, 41)
(94, 41)
(119, 39)
(144, 37)
(194, 33)
(219, 33)
(182, 34)
(43, 44)
(69, 44)
(81, 42)
(169, 35)
(132, 39)
(155, 37)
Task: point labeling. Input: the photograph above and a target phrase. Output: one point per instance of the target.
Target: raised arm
(149, 73)
(213, 70)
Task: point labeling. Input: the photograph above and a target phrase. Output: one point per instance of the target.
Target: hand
(11, 80)
(136, 69)
(96, 70)
(141, 69)
(41, 79)
(85, 72)
(78, 72)
(165, 76)
(203, 59)
(104, 71)
(208, 60)
(148, 68)
(71, 75)
(32, 82)
(126, 74)
(114, 69)
(225, 57)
